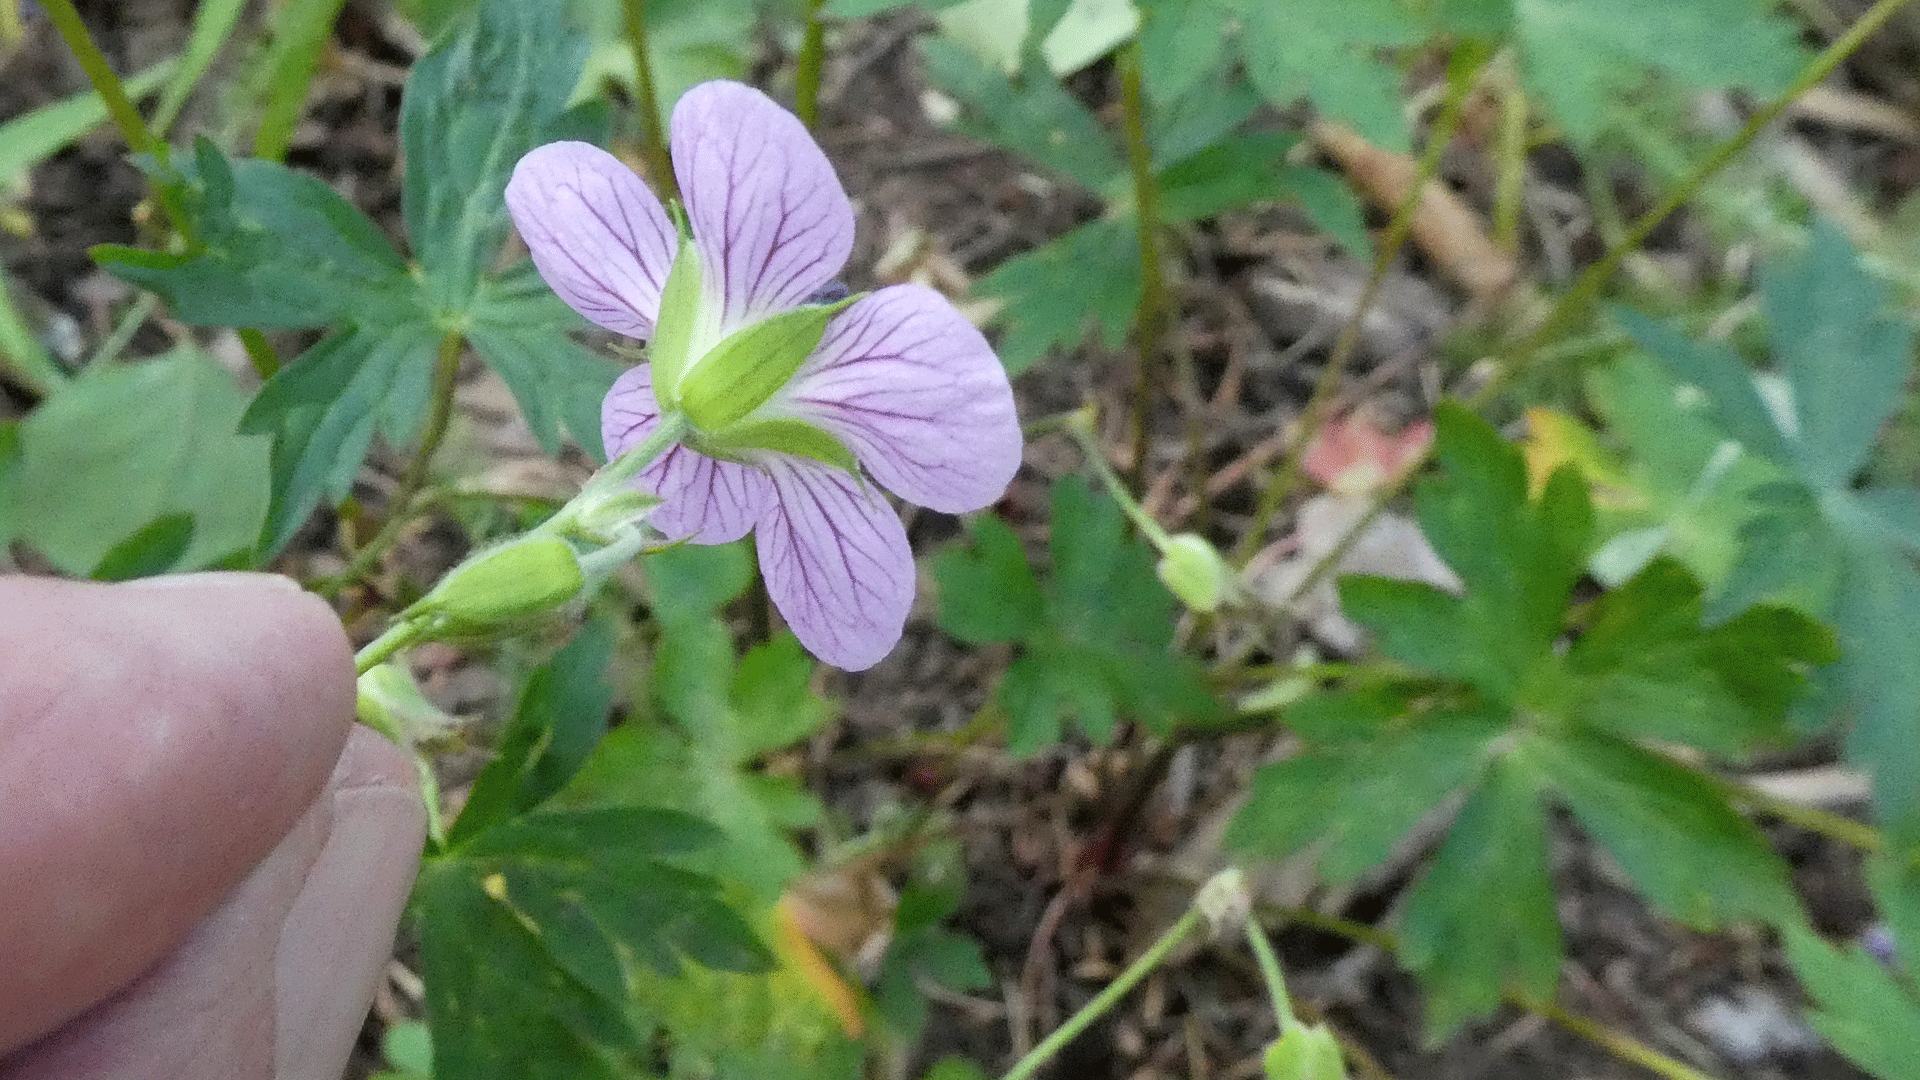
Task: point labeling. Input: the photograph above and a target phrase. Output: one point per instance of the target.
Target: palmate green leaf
(1356, 802)
(1106, 647)
(988, 592)
(1517, 558)
(1211, 110)
(1646, 668)
(1878, 617)
(559, 717)
(723, 717)
(1830, 325)
(493, 88)
(1480, 922)
(1584, 56)
(1865, 1012)
(529, 928)
(1692, 483)
(1324, 50)
(325, 408)
(520, 328)
(1182, 43)
(281, 250)
(1036, 119)
(1728, 381)
(498, 1002)
(1088, 279)
(1691, 854)
(145, 451)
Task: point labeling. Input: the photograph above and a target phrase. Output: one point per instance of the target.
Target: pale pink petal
(769, 216)
(701, 499)
(908, 384)
(599, 238)
(836, 563)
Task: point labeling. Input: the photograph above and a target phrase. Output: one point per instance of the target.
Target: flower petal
(599, 238)
(770, 219)
(914, 390)
(836, 563)
(701, 499)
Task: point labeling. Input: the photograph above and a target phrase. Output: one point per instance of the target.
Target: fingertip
(160, 737)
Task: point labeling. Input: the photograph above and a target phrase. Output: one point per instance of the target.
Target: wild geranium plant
(785, 404)
(1610, 646)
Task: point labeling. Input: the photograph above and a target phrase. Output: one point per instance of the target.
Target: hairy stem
(807, 69)
(1460, 81)
(1154, 313)
(653, 123)
(1271, 974)
(446, 371)
(1107, 998)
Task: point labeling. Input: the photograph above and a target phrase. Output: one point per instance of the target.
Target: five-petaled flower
(900, 389)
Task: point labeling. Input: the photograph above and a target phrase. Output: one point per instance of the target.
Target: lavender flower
(794, 398)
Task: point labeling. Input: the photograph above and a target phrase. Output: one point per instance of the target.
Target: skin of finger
(274, 983)
(156, 742)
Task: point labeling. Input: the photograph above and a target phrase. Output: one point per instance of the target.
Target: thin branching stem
(446, 372)
(1459, 85)
(809, 65)
(1589, 284)
(1574, 302)
(653, 122)
(1106, 998)
(1154, 313)
(1620, 1045)
(120, 107)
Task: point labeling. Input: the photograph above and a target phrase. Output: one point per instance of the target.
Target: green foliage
(724, 714)
(1089, 280)
(1843, 359)
(1689, 491)
(136, 469)
(1866, 1011)
(537, 915)
(1095, 638)
(278, 248)
(924, 950)
(1497, 711)
(1584, 57)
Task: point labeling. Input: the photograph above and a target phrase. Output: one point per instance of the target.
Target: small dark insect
(829, 293)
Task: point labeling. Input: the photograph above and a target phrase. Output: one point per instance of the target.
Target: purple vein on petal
(917, 394)
(836, 562)
(600, 239)
(764, 202)
(701, 499)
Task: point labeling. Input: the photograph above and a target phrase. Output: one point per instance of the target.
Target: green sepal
(781, 434)
(673, 331)
(752, 364)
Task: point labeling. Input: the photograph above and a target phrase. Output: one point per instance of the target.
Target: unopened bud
(1305, 1052)
(391, 703)
(1193, 571)
(523, 577)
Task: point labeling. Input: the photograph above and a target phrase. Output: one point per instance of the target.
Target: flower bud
(1193, 571)
(390, 702)
(524, 577)
(1305, 1052)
